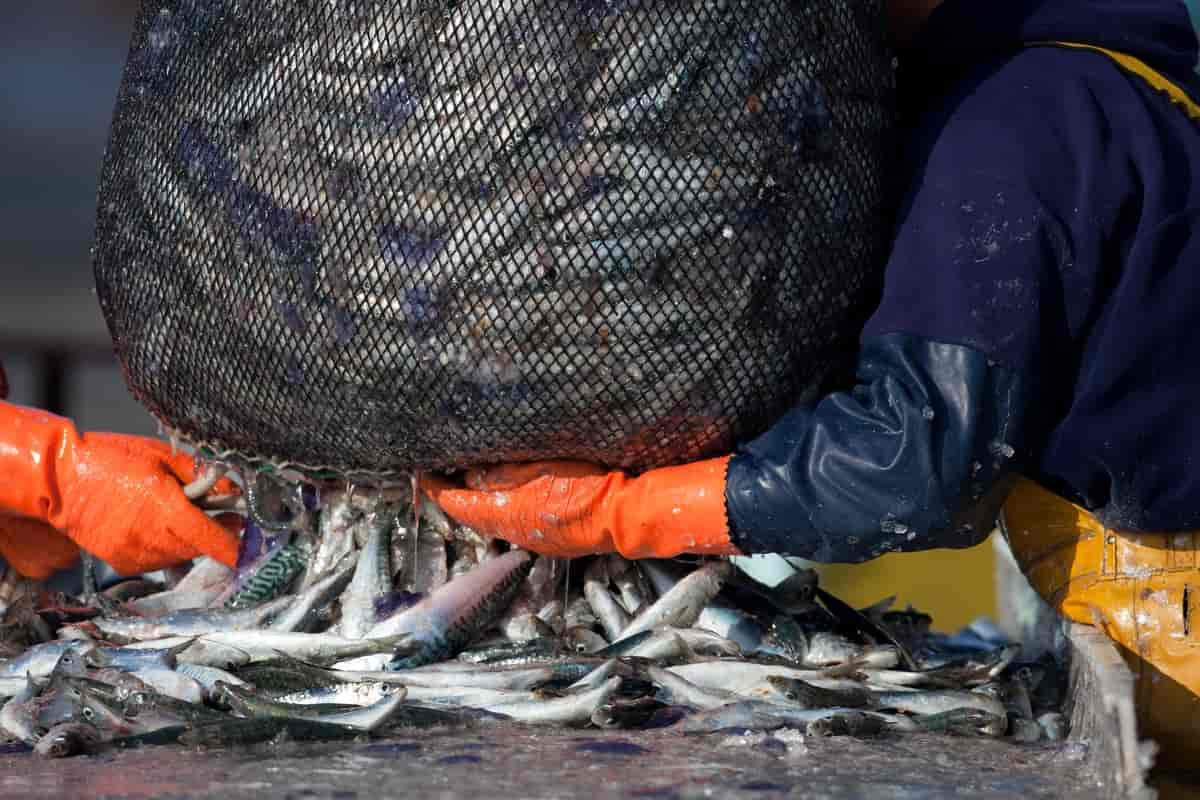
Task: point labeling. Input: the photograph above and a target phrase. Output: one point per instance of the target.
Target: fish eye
(790, 695)
(88, 713)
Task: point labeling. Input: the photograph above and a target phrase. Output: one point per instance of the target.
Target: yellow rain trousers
(1142, 590)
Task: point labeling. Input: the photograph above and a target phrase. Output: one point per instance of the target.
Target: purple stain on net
(295, 371)
(291, 316)
(308, 274)
(420, 308)
(396, 104)
(245, 208)
(342, 326)
(596, 185)
(393, 602)
(294, 237)
(408, 247)
(752, 52)
(203, 160)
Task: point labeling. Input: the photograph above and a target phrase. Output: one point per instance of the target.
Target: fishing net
(368, 237)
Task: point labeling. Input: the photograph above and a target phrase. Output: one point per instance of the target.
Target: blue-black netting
(370, 237)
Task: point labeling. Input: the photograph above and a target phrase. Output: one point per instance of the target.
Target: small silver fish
(681, 606)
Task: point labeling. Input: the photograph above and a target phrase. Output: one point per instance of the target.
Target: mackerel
(453, 615)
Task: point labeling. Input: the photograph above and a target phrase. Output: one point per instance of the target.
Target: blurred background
(60, 64)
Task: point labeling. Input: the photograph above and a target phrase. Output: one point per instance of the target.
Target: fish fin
(175, 650)
(876, 610)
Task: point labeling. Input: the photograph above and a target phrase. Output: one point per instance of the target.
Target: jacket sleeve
(913, 457)
(918, 454)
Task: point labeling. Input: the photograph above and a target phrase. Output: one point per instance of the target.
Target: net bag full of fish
(373, 237)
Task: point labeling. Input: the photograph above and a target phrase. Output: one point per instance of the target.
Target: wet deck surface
(509, 761)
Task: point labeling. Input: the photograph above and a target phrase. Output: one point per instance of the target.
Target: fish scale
(272, 578)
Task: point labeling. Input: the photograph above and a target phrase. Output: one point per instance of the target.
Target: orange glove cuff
(672, 510)
(32, 444)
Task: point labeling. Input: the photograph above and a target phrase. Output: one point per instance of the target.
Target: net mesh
(372, 237)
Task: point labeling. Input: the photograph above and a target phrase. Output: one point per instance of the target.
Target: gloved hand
(118, 497)
(568, 509)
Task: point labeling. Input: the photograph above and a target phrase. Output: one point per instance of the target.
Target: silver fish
(372, 717)
(751, 679)
(17, 715)
(200, 588)
(758, 715)
(939, 701)
(262, 645)
(372, 577)
(41, 659)
(454, 615)
(359, 694)
(595, 588)
(569, 710)
(505, 678)
(200, 651)
(172, 684)
(341, 516)
(191, 623)
(300, 616)
(681, 606)
(626, 576)
(208, 677)
(679, 691)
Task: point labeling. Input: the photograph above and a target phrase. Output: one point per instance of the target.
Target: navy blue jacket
(1041, 308)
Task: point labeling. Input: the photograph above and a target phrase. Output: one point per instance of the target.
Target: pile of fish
(367, 615)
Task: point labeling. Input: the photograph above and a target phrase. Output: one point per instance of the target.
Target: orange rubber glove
(568, 509)
(117, 497)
